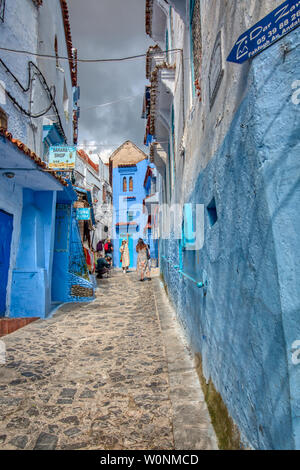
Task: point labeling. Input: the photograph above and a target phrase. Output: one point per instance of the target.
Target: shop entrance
(6, 228)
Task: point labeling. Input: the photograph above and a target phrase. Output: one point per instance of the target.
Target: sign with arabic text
(263, 34)
(62, 157)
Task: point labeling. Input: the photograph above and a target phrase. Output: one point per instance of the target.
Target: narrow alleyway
(112, 374)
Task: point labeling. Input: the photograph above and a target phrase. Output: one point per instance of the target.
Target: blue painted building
(71, 280)
(33, 232)
(27, 214)
(151, 204)
(128, 166)
(229, 143)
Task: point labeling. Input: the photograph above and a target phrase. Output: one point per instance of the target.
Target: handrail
(200, 285)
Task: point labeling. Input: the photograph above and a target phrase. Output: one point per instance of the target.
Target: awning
(25, 167)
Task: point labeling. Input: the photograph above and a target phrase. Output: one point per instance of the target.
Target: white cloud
(110, 28)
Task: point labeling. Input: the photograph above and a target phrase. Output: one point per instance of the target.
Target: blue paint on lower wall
(31, 277)
(69, 264)
(245, 322)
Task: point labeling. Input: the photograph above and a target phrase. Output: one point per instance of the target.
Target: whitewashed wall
(18, 31)
(50, 24)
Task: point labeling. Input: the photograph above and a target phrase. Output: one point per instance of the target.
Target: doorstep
(9, 325)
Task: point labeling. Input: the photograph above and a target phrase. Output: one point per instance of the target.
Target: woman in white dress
(125, 259)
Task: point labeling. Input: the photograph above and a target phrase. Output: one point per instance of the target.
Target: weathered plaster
(244, 153)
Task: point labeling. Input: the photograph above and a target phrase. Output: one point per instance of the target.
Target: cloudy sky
(104, 29)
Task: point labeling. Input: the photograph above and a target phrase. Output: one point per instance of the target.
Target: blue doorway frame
(6, 229)
(130, 247)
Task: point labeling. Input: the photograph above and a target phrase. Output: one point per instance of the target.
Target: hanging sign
(83, 213)
(62, 157)
(267, 31)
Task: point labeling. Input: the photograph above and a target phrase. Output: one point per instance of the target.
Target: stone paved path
(103, 375)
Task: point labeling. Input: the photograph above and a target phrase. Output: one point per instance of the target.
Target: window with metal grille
(130, 216)
(2, 10)
(196, 39)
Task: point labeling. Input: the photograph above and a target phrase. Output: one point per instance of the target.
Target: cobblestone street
(112, 374)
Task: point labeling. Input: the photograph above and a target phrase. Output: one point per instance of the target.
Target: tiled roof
(154, 92)
(72, 64)
(148, 16)
(128, 153)
(87, 159)
(150, 195)
(151, 153)
(32, 155)
(148, 173)
(133, 165)
(150, 53)
(125, 223)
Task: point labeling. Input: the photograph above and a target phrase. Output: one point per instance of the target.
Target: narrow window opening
(3, 119)
(66, 102)
(2, 10)
(212, 212)
(104, 194)
(124, 185)
(196, 45)
(56, 50)
(130, 216)
(130, 183)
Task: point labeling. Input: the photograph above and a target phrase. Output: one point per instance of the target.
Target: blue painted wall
(6, 230)
(151, 188)
(245, 322)
(31, 277)
(69, 264)
(121, 207)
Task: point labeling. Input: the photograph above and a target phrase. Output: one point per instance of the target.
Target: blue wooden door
(6, 228)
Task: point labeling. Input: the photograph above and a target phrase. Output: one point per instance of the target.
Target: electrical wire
(27, 113)
(86, 61)
(26, 88)
(106, 104)
(110, 145)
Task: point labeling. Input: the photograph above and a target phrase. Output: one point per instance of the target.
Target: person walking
(142, 259)
(125, 258)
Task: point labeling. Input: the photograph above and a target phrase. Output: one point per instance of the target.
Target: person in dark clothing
(103, 267)
(108, 248)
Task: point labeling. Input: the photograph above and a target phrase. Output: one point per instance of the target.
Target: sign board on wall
(83, 213)
(62, 157)
(263, 34)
